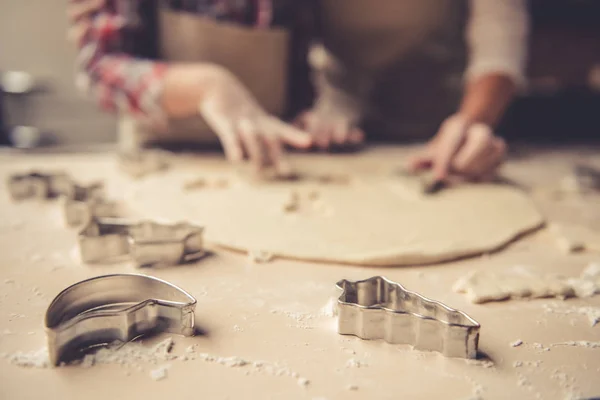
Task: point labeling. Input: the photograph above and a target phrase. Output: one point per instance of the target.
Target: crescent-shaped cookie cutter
(105, 309)
(377, 308)
(147, 243)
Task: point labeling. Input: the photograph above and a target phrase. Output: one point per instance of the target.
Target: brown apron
(258, 57)
(411, 51)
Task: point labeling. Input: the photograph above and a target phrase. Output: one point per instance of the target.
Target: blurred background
(39, 104)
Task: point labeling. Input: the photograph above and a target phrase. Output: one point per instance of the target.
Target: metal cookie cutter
(39, 185)
(110, 308)
(85, 203)
(378, 308)
(80, 203)
(147, 243)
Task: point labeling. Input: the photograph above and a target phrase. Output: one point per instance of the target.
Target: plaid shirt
(121, 81)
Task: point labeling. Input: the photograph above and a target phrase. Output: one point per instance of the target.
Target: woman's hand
(244, 128)
(462, 148)
(330, 127)
(79, 13)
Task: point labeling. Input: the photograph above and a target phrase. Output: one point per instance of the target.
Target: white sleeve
(497, 36)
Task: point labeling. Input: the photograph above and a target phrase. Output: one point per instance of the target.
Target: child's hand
(468, 150)
(80, 13)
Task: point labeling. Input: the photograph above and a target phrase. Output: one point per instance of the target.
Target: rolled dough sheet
(374, 220)
(518, 282)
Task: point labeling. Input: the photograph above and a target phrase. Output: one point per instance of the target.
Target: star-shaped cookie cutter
(147, 243)
(377, 308)
(105, 309)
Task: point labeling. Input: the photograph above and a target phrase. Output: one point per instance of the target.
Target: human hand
(461, 148)
(244, 128)
(332, 128)
(79, 13)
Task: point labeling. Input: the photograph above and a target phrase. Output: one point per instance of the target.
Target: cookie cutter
(587, 176)
(38, 185)
(428, 185)
(147, 243)
(377, 308)
(86, 203)
(113, 308)
(80, 203)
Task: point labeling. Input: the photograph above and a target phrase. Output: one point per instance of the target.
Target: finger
(340, 132)
(78, 31)
(421, 161)
(249, 134)
(356, 136)
(301, 121)
(452, 135)
(228, 137)
(471, 157)
(494, 161)
(276, 155)
(290, 135)
(83, 9)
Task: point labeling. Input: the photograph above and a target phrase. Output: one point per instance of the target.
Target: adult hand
(244, 128)
(463, 149)
(330, 128)
(79, 13)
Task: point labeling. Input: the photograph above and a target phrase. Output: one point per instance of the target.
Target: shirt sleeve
(497, 37)
(116, 80)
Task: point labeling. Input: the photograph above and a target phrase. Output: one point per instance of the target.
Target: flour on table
(592, 313)
(330, 309)
(363, 223)
(160, 373)
(519, 282)
(575, 238)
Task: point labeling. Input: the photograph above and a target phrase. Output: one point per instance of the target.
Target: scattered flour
(580, 343)
(354, 363)
(255, 366)
(592, 313)
(330, 309)
(481, 363)
(33, 359)
(160, 373)
(260, 257)
(516, 343)
(352, 387)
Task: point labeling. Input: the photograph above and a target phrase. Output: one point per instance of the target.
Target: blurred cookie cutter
(38, 185)
(80, 203)
(105, 309)
(147, 243)
(587, 176)
(429, 186)
(87, 203)
(377, 308)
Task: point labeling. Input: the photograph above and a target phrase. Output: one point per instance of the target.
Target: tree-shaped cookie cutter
(147, 243)
(377, 308)
(105, 309)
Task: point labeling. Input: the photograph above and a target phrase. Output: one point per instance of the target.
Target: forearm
(487, 97)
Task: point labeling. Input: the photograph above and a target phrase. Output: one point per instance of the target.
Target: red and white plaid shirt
(122, 82)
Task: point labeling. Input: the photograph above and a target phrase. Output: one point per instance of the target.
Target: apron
(258, 57)
(412, 54)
